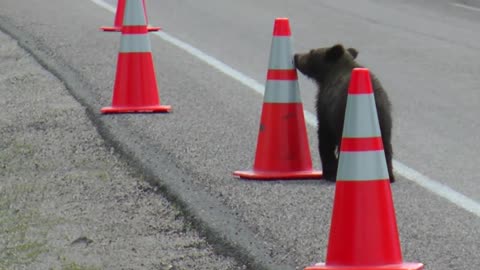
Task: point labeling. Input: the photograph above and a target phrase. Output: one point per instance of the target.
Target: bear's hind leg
(326, 147)
(388, 157)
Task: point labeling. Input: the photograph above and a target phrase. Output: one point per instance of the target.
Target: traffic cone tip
(281, 27)
(360, 82)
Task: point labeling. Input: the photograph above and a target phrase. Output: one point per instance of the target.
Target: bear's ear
(352, 52)
(335, 52)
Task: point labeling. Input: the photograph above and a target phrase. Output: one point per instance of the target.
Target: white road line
(434, 186)
(465, 6)
(104, 5)
(438, 188)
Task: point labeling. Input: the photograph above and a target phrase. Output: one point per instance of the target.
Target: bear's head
(318, 62)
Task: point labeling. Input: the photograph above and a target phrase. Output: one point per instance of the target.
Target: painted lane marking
(465, 6)
(438, 188)
(433, 186)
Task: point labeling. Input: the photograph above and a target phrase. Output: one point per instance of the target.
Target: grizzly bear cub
(331, 69)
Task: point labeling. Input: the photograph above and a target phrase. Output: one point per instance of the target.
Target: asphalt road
(426, 54)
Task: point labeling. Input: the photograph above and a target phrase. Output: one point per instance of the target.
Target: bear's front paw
(392, 179)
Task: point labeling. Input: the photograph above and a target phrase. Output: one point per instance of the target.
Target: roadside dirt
(68, 202)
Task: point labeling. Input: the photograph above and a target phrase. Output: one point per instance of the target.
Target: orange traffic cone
(282, 147)
(119, 17)
(135, 88)
(363, 233)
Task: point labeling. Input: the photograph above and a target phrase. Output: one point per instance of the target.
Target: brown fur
(331, 69)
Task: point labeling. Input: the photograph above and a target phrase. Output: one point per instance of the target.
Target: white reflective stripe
(135, 43)
(361, 118)
(134, 13)
(282, 91)
(281, 55)
(362, 166)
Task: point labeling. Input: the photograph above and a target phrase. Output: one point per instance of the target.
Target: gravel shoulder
(67, 201)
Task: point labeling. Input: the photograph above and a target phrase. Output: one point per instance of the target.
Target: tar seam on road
(434, 186)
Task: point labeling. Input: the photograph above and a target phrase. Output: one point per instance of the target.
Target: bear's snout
(300, 62)
(295, 60)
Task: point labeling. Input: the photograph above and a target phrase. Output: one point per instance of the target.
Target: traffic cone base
(128, 78)
(402, 266)
(259, 175)
(347, 243)
(141, 109)
(119, 28)
(111, 28)
(281, 157)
